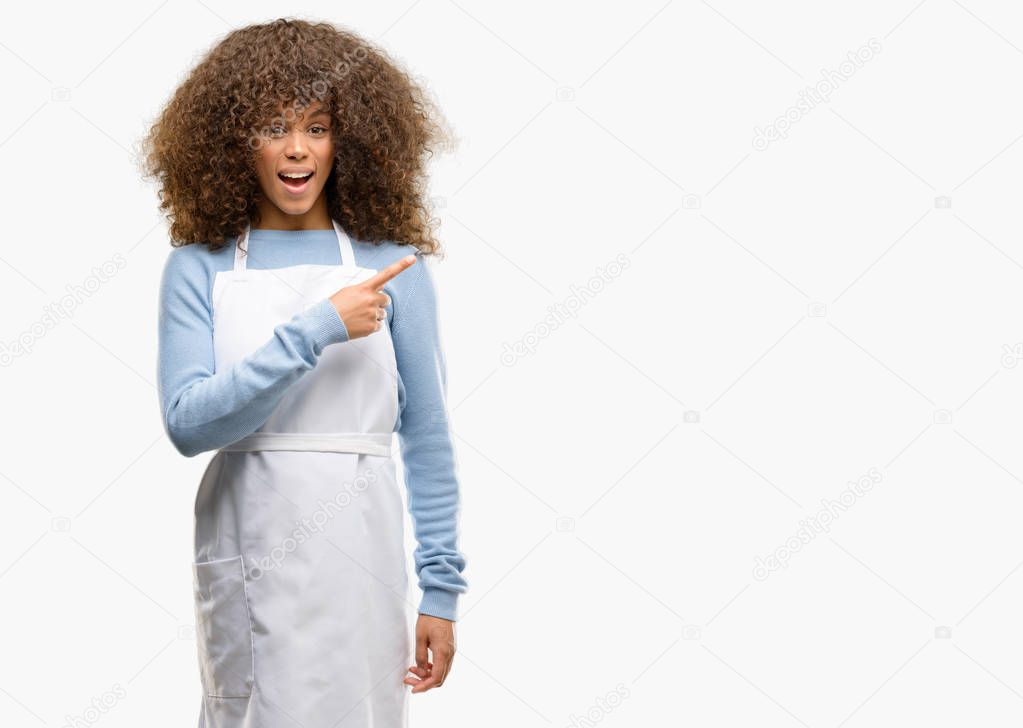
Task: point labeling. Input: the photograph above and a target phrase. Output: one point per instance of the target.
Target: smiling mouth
(295, 184)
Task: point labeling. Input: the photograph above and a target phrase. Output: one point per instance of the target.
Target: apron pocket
(223, 628)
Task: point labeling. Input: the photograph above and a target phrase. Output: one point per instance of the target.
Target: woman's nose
(295, 145)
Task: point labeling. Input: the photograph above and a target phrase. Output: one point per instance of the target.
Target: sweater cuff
(326, 326)
(439, 603)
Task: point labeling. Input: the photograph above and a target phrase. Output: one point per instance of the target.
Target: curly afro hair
(201, 148)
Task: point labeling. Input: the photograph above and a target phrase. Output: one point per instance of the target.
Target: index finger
(377, 281)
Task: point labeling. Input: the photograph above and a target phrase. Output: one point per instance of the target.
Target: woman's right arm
(204, 409)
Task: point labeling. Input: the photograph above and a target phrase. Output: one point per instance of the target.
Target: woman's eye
(277, 131)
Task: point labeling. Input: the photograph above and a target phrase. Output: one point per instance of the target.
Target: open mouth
(295, 182)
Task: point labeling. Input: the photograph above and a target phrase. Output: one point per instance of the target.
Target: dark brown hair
(201, 148)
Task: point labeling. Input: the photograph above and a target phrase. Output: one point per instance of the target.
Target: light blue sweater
(205, 410)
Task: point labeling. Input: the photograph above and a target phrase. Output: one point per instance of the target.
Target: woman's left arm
(426, 448)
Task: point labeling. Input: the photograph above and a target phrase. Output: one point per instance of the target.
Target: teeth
(295, 175)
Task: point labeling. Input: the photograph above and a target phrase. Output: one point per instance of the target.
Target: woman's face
(295, 160)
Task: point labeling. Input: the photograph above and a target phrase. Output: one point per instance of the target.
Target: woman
(297, 333)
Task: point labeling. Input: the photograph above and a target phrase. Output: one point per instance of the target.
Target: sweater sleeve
(204, 409)
(426, 448)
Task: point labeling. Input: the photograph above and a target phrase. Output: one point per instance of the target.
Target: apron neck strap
(344, 246)
(239, 255)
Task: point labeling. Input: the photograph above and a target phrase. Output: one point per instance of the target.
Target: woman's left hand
(438, 635)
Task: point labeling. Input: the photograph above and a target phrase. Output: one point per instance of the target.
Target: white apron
(300, 579)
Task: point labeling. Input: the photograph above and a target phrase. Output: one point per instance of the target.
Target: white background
(791, 320)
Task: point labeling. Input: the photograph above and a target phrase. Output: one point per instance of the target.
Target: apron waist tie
(368, 443)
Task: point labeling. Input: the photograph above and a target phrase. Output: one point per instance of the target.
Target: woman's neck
(316, 217)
